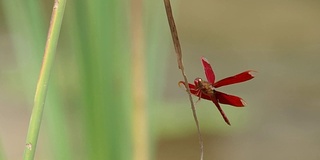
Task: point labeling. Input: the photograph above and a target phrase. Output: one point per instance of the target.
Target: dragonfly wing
(208, 70)
(229, 99)
(244, 76)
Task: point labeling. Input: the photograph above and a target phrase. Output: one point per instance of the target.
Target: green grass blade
(157, 53)
(40, 95)
(21, 24)
(104, 66)
(57, 124)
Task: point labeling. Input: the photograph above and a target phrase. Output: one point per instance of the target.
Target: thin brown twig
(177, 47)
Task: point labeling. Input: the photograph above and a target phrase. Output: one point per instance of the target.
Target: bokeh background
(91, 104)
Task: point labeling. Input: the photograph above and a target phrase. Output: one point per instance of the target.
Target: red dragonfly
(206, 89)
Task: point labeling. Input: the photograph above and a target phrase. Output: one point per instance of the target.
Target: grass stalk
(105, 67)
(42, 85)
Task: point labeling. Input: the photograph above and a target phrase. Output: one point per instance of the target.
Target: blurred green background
(90, 104)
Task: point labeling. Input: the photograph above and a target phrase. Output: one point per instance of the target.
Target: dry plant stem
(177, 47)
(42, 85)
(140, 132)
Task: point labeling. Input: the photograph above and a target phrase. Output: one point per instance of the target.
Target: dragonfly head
(198, 82)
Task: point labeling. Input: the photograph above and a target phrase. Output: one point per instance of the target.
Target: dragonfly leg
(199, 95)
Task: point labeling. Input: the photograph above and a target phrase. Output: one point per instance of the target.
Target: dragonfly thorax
(204, 86)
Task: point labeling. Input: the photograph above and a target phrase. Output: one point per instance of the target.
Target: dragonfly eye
(197, 81)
